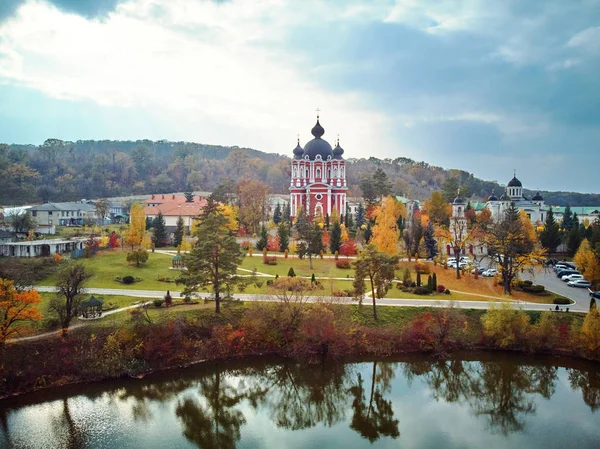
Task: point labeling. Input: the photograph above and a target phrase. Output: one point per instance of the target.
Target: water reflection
(210, 407)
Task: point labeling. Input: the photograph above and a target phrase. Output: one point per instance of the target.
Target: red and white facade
(318, 184)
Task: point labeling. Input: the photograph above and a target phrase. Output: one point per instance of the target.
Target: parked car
(490, 273)
(568, 264)
(582, 283)
(562, 273)
(594, 294)
(479, 270)
(560, 266)
(571, 277)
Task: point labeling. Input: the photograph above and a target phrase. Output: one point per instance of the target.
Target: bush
(441, 288)
(246, 244)
(561, 300)
(536, 289)
(270, 260)
(291, 273)
(158, 303)
(128, 280)
(422, 268)
(270, 282)
(343, 264)
(447, 292)
(421, 291)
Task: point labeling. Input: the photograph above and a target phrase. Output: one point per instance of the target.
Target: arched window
(306, 173)
(342, 172)
(329, 173)
(318, 173)
(335, 172)
(459, 210)
(295, 171)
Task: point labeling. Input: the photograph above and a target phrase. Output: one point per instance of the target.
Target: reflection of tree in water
(73, 437)
(303, 395)
(212, 421)
(589, 383)
(374, 418)
(501, 391)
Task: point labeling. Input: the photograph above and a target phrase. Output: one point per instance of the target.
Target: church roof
(538, 197)
(317, 146)
(338, 151)
(298, 151)
(515, 182)
(458, 200)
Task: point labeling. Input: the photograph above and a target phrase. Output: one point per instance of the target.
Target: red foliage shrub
(113, 240)
(343, 264)
(246, 244)
(348, 248)
(270, 260)
(274, 243)
(441, 288)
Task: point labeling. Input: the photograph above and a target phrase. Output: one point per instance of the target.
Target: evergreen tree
(159, 236)
(430, 283)
(310, 236)
(430, 241)
(575, 220)
(189, 194)
(149, 223)
(286, 217)
(277, 214)
(550, 236)
(179, 232)
(291, 273)
(284, 236)
(434, 282)
(327, 221)
(573, 241)
(360, 215)
(214, 259)
(313, 280)
(335, 240)
(264, 238)
(368, 232)
(418, 278)
(349, 218)
(383, 186)
(567, 221)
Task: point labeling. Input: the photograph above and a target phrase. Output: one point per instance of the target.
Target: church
(535, 208)
(318, 183)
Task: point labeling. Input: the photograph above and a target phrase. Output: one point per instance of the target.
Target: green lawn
(321, 267)
(106, 265)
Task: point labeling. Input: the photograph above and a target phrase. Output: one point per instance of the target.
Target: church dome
(317, 146)
(514, 182)
(503, 198)
(458, 200)
(338, 151)
(298, 151)
(537, 197)
(493, 197)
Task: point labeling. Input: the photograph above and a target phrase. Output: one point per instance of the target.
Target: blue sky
(484, 86)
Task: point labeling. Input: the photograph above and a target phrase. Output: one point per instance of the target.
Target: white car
(571, 277)
(490, 273)
(581, 283)
(461, 264)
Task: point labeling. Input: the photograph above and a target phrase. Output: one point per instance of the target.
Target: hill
(64, 171)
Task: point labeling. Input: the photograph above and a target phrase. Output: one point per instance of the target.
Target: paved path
(385, 301)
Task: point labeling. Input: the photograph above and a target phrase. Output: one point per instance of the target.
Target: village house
(49, 215)
(173, 206)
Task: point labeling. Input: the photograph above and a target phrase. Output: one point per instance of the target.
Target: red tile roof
(174, 205)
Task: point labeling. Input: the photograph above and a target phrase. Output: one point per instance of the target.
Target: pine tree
(567, 221)
(179, 232)
(418, 278)
(573, 241)
(189, 194)
(360, 215)
(291, 272)
(284, 236)
(277, 214)
(550, 236)
(430, 241)
(313, 280)
(368, 233)
(327, 221)
(159, 236)
(310, 236)
(264, 238)
(349, 218)
(434, 282)
(286, 217)
(430, 283)
(335, 240)
(214, 259)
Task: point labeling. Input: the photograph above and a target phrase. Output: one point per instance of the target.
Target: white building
(535, 208)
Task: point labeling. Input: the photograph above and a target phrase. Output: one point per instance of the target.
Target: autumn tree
(214, 259)
(102, 209)
(376, 267)
(438, 209)
(179, 233)
(137, 226)
(138, 256)
(70, 285)
(459, 237)
(16, 308)
(587, 263)
(512, 241)
(385, 231)
(484, 219)
(550, 236)
(252, 198)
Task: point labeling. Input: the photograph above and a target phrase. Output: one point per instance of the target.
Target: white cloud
(588, 39)
(184, 58)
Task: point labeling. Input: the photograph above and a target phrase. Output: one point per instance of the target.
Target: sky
(484, 86)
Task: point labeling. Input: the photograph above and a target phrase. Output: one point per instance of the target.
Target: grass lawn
(321, 267)
(106, 265)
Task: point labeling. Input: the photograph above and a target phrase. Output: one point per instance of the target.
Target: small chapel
(318, 185)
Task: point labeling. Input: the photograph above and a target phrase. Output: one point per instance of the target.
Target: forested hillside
(63, 171)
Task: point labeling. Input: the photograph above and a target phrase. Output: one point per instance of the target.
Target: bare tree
(71, 287)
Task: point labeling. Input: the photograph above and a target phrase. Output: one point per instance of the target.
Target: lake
(474, 400)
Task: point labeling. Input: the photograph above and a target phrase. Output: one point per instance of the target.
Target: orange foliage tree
(16, 307)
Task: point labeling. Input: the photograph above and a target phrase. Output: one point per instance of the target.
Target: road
(548, 279)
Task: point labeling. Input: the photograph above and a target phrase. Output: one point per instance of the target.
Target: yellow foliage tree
(586, 261)
(591, 330)
(437, 208)
(137, 225)
(345, 235)
(528, 228)
(386, 232)
(231, 212)
(16, 307)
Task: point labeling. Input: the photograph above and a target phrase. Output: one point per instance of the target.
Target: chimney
(152, 196)
(173, 196)
(163, 197)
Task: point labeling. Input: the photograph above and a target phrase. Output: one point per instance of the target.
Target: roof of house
(585, 210)
(174, 205)
(64, 207)
(5, 234)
